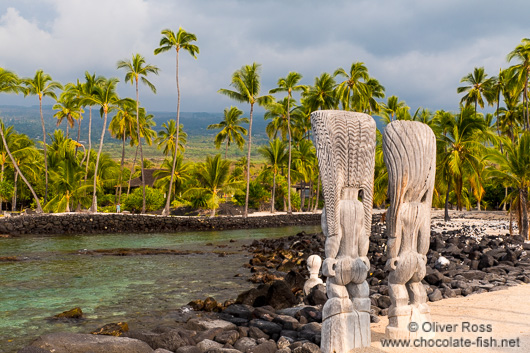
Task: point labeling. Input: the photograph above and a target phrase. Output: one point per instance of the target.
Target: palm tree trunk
(165, 212)
(140, 145)
(523, 196)
(226, 150)
(89, 141)
(318, 194)
(245, 214)
(121, 167)
(14, 200)
(273, 191)
(505, 196)
(39, 208)
(132, 171)
(289, 208)
(446, 215)
(302, 195)
(511, 218)
(45, 152)
(94, 207)
(78, 130)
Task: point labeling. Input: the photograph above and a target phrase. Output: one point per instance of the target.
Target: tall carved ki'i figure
(409, 150)
(345, 147)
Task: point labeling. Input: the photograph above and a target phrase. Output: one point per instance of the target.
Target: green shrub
(154, 200)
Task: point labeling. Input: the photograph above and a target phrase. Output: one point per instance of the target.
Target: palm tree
(231, 129)
(213, 177)
(42, 85)
(463, 150)
(75, 92)
(275, 158)
(513, 168)
(303, 161)
(67, 108)
(289, 84)
(87, 90)
(354, 89)
(103, 94)
(522, 54)
(122, 126)
(9, 84)
(137, 70)
(322, 94)
(246, 83)
(167, 137)
(180, 40)
(479, 88)
(182, 174)
(395, 109)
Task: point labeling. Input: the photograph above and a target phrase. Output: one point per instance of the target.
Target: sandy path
(507, 311)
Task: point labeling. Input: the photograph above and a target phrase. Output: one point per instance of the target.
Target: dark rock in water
(75, 313)
(317, 296)
(280, 295)
(435, 295)
(255, 296)
(197, 304)
(74, 342)
(267, 327)
(210, 304)
(240, 310)
(114, 329)
(295, 280)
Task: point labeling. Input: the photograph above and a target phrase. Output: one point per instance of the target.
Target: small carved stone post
(345, 146)
(313, 265)
(409, 149)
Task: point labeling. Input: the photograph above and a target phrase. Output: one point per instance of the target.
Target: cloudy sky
(419, 50)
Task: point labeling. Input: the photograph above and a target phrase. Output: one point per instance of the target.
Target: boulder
(280, 295)
(114, 329)
(65, 342)
(317, 295)
(188, 349)
(206, 345)
(265, 347)
(75, 313)
(199, 324)
(244, 344)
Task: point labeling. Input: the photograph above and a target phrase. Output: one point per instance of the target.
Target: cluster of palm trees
(479, 153)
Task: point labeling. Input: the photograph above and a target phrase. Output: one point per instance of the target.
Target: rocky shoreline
(275, 317)
(86, 223)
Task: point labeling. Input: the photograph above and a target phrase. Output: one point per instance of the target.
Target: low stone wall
(79, 223)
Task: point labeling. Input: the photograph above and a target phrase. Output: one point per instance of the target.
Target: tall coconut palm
(289, 84)
(67, 108)
(275, 158)
(167, 137)
(122, 126)
(42, 85)
(322, 94)
(181, 40)
(137, 70)
(247, 85)
(75, 92)
(512, 168)
(395, 109)
(103, 94)
(231, 129)
(522, 54)
(353, 90)
(182, 175)
(88, 89)
(9, 84)
(478, 88)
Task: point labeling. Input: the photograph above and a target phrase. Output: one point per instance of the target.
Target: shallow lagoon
(56, 276)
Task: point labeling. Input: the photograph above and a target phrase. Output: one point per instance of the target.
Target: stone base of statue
(411, 322)
(343, 327)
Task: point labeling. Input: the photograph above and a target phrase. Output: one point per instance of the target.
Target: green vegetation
(482, 158)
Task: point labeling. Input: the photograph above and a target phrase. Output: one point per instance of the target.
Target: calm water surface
(55, 276)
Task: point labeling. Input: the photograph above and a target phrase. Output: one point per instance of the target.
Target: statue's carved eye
(360, 195)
